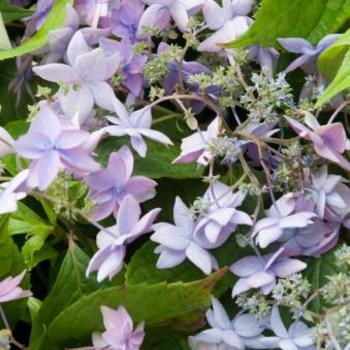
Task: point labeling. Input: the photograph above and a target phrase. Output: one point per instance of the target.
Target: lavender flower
(6, 142)
(281, 216)
(196, 146)
(309, 54)
(53, 148)
(229, 22)
(220, 217)
(10, 290)
(159, 12)
(136, 125)
(36, 21)
(131, 65)
(13, 191)
(244, 331)
(108, 187)
(329, 140)
(297, 337)
(125, 20)
(262, 271)
(108, 260)
(85, 77)
(312, 240)
(178, 242)
(119, 333)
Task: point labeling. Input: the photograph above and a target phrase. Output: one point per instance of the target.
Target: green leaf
(340, 82)
(54, 21)
(71, 284)
(157, 163)
(178, 307)
(331, 59)
(4, 232)
(12, 13)
(38, 331)
(5, 43)
(317, 272)
(311, 19)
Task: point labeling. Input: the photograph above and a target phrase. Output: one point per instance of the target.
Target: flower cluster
(156, 80)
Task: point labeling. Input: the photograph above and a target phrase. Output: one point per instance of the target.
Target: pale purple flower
(10, 290)
(6, 142)
(309, 53)
(229, 22)
(330, 194)
(91, 11)
(85, 77)
(108, 187)
(159, 12)
(262, 271)
(119, 333)
(297, 337)
(328, 140)
(53, 148)
(136, 125)
(281, 216)
(131, 65)
(36, 21)
(220, 217)
(312, 240)
(12, 191)
(125, 20)
(111, 243)
(266, 56)
(196, 146)
(178, 242)
(244, 331)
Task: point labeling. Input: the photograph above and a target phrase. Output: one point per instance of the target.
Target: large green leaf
(38, 331)
(5, 43)
(317, 272)
(339, 83)
(331, 59)
(311, 19)
(71, 284)
(11, 13)
(179, 307)
(54, 21)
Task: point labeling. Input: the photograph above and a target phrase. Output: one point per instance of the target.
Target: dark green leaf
(311, 19)
(38, 331)
(179, 306)
(12, 13)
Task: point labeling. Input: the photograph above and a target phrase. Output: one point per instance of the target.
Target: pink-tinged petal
(332, 155)
(169, 258)
(154, 16)
(48, 166)
(128, 215)
(77, 47)
(188, 157)
(32, 145)
(97, 341)
(295, 45)
(71, 138)
(333, 136)
(285, 267)
(199, 257)
(241, 286)
(299, 128)
(76, 159)
(56, 72)
(122, 158)
(16, 182)
(116, 319)
(246, 266)
(10, 283)
(91, 65)
(155, 136)
(179, 14)
(14, 294)
(103, 210)
(103, 94)
(311, 121)
(142, 188)
(46, 123)
(276, 323)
